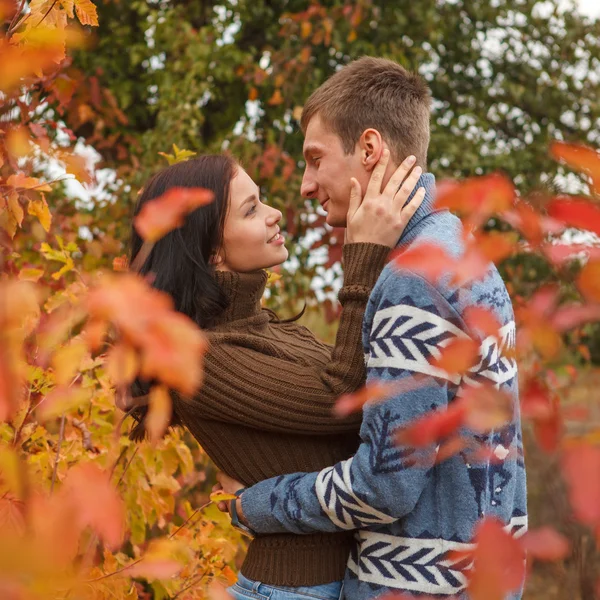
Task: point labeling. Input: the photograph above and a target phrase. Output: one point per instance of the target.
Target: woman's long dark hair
(180, 262)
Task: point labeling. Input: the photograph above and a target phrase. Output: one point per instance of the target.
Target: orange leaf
(535, 401)
(253, 94)
(18, 142)
(94, 333)
(276, 98)
(579, 213)
(62, 399)
(482, 320)
(372, 392)
(66, 361)
(159, 413)
(161, 215)
(428, 260)
(588, 281)
(581, 470)
(488, 408)
(580, 158)
(122, 364)
(86, 12)
(548, 431)
(477, 197)
(458, 356)
(545, 543)
(97, 502)
(498, 562)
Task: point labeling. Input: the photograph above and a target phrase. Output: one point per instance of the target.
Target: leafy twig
(199, 509)
(194, 581)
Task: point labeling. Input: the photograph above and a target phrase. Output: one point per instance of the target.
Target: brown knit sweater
(265, 407)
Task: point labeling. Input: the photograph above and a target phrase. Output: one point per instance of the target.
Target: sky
(589, 7)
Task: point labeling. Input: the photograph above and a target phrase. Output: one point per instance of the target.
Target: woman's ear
(371, 147)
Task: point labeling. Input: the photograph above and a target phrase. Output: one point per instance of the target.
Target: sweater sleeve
(271, 392)
(383, 481)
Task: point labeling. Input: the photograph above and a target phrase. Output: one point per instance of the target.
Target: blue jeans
(246, 589)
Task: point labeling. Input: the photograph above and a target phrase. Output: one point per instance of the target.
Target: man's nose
(309, 186)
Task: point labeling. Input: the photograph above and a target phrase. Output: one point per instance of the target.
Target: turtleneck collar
(244, 292)
(427, 180)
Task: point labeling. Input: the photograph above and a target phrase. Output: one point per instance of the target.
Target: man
(409, 509)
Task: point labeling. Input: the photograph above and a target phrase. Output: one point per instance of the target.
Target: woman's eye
(251, 210)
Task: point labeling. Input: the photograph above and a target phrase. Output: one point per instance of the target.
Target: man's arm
(383, 481)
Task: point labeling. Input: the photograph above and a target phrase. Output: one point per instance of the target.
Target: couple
(328, 499)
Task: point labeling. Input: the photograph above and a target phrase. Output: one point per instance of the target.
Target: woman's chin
(283, 256)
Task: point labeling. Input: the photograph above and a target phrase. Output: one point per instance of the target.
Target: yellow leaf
(68, 7)
(86, 12)
(122, 364)
(30, 274)
(68, 266)
(178, 155)
(272, 277)
(352, 36)
(15, 207)
(39, 209)
(66, 361)
(11, 472)
(159, 413)
(305, 29)
(221, 497)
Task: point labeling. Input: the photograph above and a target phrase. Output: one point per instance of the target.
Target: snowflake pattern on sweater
(409, 510)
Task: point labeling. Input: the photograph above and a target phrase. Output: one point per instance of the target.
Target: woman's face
(251, 237)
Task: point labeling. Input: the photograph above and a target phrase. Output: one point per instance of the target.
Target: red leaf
(477, 197)
(161, 215)
(535, 401)
(560, 253)
(579, 213)
(498, 562)
(545, 543)
(573, 315)
(548, 432)
(433, 426)
(581, 470)
(580, 158)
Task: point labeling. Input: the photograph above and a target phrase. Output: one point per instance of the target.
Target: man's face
(328, 171)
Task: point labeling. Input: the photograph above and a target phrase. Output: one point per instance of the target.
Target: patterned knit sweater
(265, 406)
(408, 509)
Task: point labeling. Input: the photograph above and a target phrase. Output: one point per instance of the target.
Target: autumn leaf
(580, 158)
(97, 502)
(161, 215)
(30, 274)
(66, 361)
(482, 320)
(372, 392)
(588, 281)
(579, 213)
(122, 364)
(429, 260)
(434, 426)
(62, 399)
(478, 198)
(86, 12)
(276, 98)
(581, 470)
(221, 496)
(39, 209)
(498, 562)
(546, 544)
(159, 413)
(458, 356)
(178, 155)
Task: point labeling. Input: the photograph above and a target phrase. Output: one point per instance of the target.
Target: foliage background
(507, 79)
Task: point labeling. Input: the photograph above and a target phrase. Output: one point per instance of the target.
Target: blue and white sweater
(410, 513)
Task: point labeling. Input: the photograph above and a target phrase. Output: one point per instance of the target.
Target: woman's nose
(274, 216)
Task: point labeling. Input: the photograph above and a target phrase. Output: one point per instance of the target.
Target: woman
(265, 406)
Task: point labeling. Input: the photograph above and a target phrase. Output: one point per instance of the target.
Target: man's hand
(229, 486)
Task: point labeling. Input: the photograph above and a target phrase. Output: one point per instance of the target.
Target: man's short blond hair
(375, 93)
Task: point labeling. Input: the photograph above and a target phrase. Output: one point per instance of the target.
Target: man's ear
(371, 147)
